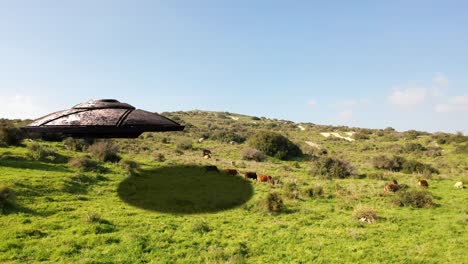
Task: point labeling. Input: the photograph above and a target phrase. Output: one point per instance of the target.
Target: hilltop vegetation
(151, 199)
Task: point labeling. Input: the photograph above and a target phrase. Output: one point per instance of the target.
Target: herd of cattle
(247, 175)
(393, 186)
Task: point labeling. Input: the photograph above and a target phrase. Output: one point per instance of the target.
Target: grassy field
(173, 211)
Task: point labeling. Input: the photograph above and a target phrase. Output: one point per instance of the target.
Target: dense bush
(273, 203)
(227, 136)
(361, 135)
(314, 191)
(291, 190)
(413, 147)
(274, 144)
(413, 197)
(433, 152)
(388, 163)
(184, 144)
(104, 151)
(253, 154)
(129, 166)
(332, 168)
(412, 166)
(77, 144)
(462, 149)
(10, 135)
(7, 198)
(397, 163)
(40, 152)
(84, 164)
(159, 157)
(365, 213)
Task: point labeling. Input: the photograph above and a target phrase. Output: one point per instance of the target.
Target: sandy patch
(348, 138)
(301, 128)
(234, 118)
(312, 144)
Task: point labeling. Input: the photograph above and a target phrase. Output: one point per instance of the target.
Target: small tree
(105, 151)
(332, 168)
(253, 154)
(275, 145)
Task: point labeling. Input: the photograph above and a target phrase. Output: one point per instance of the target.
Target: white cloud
(454, 104)
(20, 106)
(440, 81)
(408, 97)
(345, 116)
(312, 103)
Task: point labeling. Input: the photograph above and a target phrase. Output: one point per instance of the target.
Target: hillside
(160, 204)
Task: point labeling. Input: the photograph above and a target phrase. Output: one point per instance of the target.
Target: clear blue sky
(360, 63)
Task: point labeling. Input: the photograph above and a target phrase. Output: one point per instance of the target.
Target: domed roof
(104, 118)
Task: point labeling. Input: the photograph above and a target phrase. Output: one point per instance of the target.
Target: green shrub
(159, 157)
(291, 190)
(184, 144)
(413, 147)
(413, 197)
(412, 166)
(461, 149)
(253, 154)
(201, 227)
(315, 191)
(104, 151)
(77, 144)
(273, 203)
(433, 152)
(10, 135)
(275, 145)
(332, 168)
(394, 163)
(40, 152)
(227, 136)
(7, 198)
(365, 213)
(129, 166)
(361, 135)
(84, 164)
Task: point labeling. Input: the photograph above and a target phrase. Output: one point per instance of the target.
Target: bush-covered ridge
(72, 204)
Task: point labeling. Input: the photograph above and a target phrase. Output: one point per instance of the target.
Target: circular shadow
(185, 190)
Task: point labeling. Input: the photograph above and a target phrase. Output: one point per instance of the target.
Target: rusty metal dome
(104, 118)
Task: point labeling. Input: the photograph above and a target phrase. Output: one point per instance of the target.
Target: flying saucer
(104, 118)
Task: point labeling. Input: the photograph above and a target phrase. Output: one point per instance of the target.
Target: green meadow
(63, 203)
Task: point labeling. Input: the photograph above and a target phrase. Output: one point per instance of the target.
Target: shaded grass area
(185, 190)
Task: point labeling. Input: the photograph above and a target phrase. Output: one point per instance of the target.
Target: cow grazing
(265, 178)
(250, 175)
(391, 187)
(423, 183)
(211, 168)
(459, 185)
(231, 172)
(206, 152)
(394, 182)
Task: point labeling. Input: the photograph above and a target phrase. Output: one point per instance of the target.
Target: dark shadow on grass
(22, 163)
(185, 190)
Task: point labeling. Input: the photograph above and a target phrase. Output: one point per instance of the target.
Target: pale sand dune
(234, 118)
(301, 128)
(338, 135)
(312, 144)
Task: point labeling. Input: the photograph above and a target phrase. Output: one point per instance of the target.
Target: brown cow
(394, 182)
(265, 178)
(391, 187)
(211, 168)
(231, 172)
(250, 175)
(206, 152)
(423, 183)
